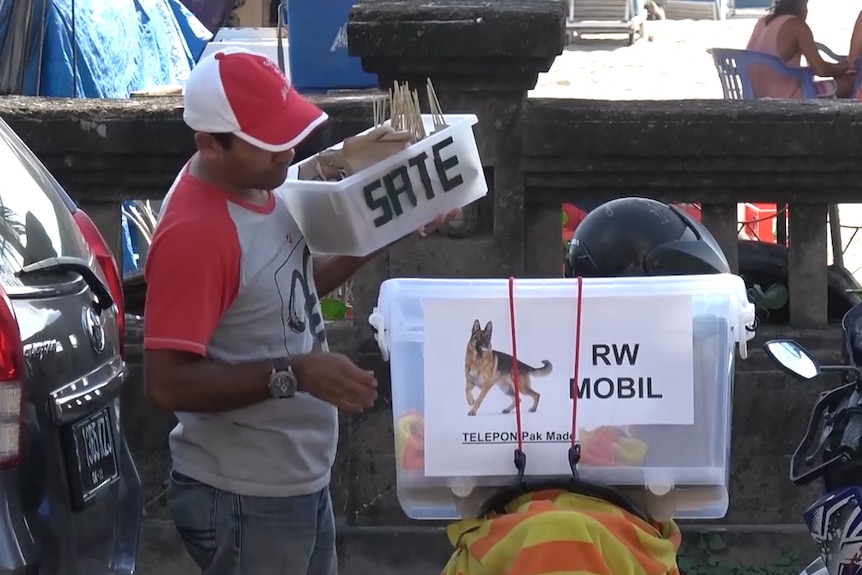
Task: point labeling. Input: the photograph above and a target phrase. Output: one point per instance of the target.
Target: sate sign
(371, 204)
(404, 186)
(636, 368)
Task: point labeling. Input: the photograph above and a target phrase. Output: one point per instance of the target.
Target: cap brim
(287, 127)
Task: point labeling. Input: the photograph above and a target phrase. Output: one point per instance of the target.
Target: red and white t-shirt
(233, 281)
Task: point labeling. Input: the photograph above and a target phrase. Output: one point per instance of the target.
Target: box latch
(378, 323)
(747, 323)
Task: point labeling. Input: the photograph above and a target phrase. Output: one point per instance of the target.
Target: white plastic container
(263, 41)
(390, 199)
(685, 471)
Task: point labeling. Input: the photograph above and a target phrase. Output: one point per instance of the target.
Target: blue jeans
(229, 534)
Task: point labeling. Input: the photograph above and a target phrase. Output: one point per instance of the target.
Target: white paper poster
(636, 368)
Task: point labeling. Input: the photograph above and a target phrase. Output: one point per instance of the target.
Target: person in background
(785, 33)
(855, 51)
(234, 337)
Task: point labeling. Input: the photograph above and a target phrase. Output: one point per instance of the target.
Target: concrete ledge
(741, 155)
(90, 145)
(707, 550)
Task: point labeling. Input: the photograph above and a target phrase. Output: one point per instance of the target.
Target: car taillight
(12, 376)
(109, 267)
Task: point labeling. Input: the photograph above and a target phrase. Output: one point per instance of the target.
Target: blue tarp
(114, 48)
(120, 46)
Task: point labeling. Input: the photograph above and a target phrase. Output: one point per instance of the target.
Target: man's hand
(438, 222)
(333, 378)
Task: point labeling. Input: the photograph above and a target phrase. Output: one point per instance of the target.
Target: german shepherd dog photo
(485, 367)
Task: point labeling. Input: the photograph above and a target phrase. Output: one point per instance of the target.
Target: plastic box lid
(246, 34)
(392, 198)
(655, 375)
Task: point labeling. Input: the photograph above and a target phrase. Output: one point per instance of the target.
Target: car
(69, 489)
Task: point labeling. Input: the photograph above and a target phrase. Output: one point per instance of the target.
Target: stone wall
(713, 153)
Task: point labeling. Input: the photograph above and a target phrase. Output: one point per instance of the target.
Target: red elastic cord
(576, 385)
(515, 363)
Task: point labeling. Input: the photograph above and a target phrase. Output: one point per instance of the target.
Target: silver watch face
(283, 384)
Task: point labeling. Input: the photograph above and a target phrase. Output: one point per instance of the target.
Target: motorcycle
(834, 432)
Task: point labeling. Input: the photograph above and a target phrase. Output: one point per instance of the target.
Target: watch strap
(281, 364)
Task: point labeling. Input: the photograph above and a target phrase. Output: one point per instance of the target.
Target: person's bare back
(794, 39)
(855, 51)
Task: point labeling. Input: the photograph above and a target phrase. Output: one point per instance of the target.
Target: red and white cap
(243, 93)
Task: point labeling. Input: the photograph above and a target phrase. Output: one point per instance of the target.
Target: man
(233, 334)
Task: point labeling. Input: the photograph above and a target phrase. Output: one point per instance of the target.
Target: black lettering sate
(418, 162)
(375, 203)
(442, 165)
(397, 182)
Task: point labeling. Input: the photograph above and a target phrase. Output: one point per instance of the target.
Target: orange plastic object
(410, 441)
(608, 445)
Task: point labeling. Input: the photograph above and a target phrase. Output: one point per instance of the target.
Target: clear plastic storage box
(655, 378)
(392, 198)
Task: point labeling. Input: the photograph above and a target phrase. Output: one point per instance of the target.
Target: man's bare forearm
(331, 272)
(204, 386)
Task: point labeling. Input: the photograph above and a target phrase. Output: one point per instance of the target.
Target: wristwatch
(282, 380)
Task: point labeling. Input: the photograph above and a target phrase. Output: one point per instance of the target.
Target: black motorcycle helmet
(642, 237)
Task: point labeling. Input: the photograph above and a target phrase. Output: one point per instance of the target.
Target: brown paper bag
(360, 152)
(328, 166)
(356, 154)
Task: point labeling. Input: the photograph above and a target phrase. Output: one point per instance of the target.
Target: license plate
(95, 456)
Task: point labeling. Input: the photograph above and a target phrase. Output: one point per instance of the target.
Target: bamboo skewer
(380, 110)
(404, 112)
(434, 105)
(420, 125)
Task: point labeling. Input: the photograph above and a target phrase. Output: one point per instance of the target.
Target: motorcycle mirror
(792, 358)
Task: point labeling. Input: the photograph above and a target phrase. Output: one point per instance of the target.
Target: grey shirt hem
(247, 488)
